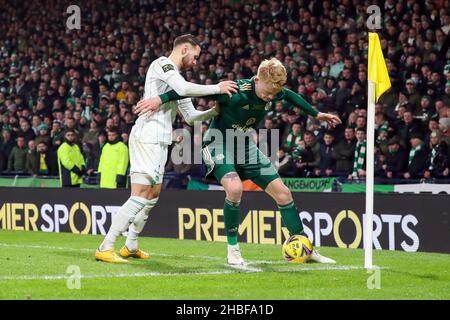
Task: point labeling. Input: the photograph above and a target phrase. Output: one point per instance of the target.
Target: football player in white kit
(149, 140)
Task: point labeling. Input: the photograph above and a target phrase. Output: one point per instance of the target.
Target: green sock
(231, 213)
(291, 218)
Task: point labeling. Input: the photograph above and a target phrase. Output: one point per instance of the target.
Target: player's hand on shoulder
(228, 87)
(147, 105)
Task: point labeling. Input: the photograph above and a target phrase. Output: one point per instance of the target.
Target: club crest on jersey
(167, 67)
(220, 157)
(250, 121)
(246, 107)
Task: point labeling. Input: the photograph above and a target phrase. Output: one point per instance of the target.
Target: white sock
(123, 218)
(138, 225)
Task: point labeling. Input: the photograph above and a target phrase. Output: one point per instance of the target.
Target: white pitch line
(250, 262)
(237, 269)
(325, 268)
(245, 268)
(119, 275)
(151, 253)
(162, 274)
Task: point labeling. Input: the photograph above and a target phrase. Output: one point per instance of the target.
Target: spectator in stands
(382, 140)
(294, 137)
(113, 162)
(26, 130)
(43, 135)
(91, 136)
(438, 161)
(396, 159)
(47, 164)
(35, 123)
(425, 112)
(56, 134)
(359, 158)
(312, 145)
(417, 158)
(6, 145)
(412, 95)
(302, 157)
(18, 155)
(343, 153)
(351, 120)
(268, 126)
(360, 123)
(407, 127)
(71, 163)
(327, 165)
(31, 157)
(284, 163)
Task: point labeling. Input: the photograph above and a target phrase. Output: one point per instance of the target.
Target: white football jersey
(163, 76)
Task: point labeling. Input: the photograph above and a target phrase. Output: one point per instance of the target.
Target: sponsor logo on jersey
(245, 87)
(168, 67)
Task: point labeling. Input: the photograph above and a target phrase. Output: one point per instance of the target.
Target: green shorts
(256, 166)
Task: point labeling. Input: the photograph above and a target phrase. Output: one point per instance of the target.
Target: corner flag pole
(378, 82)
(369, 174)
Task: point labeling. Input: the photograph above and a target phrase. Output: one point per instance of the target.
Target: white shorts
(147, 161)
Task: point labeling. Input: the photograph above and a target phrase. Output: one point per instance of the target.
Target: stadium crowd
(87, 81)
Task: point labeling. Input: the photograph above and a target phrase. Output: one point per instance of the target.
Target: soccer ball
(297, 249)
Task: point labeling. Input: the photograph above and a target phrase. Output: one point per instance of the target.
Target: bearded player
(241, 113)
(149, 140)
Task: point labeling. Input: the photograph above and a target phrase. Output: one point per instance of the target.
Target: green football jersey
(245, 110)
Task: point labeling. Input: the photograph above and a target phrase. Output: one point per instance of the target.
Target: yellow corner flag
(377, 67)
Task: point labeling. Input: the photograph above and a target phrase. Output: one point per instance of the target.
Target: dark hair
(361, 129)
(116, 130)
(186, 38)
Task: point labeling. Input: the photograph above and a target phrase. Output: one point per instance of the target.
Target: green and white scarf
(433, 156)
(291, 142)
(412, 153)
(359, 157)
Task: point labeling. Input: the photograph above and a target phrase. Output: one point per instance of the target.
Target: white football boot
(317, 257)
(234, 257)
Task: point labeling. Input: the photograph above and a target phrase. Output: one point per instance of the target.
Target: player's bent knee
(284, 196)
(234, 192)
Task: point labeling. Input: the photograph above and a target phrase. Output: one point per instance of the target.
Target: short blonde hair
(272, 71)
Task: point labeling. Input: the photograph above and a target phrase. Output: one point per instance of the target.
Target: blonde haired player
(149, 140)
(240, 113)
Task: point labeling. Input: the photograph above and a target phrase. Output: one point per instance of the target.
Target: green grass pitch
(34, 265)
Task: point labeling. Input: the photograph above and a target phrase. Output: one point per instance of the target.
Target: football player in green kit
(232, 162)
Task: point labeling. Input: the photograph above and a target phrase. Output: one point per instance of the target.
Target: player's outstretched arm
(153, 103)
(298, 100)
(190, 114)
